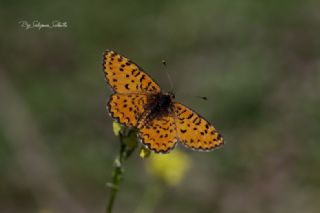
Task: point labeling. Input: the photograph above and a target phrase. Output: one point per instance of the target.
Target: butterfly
(138, 102)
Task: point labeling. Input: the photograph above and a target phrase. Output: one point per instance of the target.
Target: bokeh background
(257, 62)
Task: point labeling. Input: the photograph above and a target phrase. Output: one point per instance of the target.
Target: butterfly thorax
(159, 104)
(164, 101)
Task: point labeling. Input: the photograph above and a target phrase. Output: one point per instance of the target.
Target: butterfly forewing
(124, 76)
(194, 131)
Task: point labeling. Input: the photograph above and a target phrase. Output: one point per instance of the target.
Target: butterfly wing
(127, 108)
(194, 131)
(124, 76)
(131, 86)
(159, 134)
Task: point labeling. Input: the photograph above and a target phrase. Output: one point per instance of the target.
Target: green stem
(126, 149)
(117, 175)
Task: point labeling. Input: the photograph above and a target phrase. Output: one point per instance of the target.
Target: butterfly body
(164, 101)
(138, 102)
(161, 103)
(158, 105)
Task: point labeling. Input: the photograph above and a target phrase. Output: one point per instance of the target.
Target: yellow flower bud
(144, 152)
(116, 128)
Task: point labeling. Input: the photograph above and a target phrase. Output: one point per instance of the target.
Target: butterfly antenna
(202, 97)
(164, 63)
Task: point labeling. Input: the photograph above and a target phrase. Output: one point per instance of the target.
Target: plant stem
(117, 175)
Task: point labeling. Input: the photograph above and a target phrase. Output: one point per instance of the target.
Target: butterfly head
(170, 95)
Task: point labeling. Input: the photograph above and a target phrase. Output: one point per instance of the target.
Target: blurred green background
(258, 62)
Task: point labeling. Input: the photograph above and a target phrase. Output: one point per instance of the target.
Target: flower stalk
(127, 146)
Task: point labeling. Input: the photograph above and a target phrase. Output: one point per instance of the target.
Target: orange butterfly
(138, 102)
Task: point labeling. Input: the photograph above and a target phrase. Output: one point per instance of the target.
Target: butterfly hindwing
(124, 76)
(194, 131)
(159, 134)
(127, 108)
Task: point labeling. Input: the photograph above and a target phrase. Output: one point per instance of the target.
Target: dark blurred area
(258, 62)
